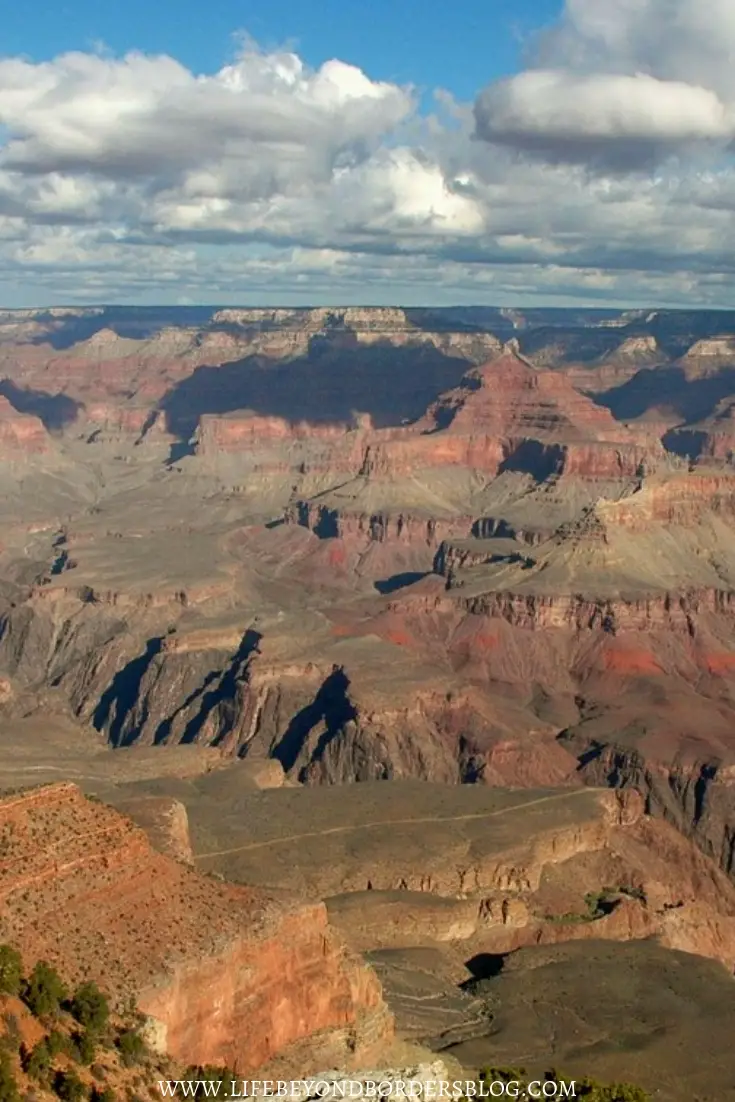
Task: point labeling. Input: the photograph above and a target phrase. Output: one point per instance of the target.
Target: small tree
(56, 1043)
(69, 1086)
(591, 1091)
(36, 1062)
(207, 1074)
(85, 1047)
(131, 1046)
(11, 970)
(89, 1007)
(44, 990)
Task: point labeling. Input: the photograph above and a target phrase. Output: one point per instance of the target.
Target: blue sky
(295, 151)
(431, 43)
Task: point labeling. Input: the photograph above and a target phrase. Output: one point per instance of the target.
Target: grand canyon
(367, 678)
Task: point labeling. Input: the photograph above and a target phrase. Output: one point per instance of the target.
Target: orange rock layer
(21, 433)
(224, 974)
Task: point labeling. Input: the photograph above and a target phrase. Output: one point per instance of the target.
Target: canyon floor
(481, 562)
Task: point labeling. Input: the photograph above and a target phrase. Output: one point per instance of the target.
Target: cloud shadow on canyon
(691, 399)
(54, 410)
(328, 385)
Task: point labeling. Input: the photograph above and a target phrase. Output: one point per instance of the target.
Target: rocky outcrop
(143, 369)
(21, 434)
(290, 331)
(505, 417)
(494, 869)
(224, 974)
(444, 583)
(710, 439)
(693, 793)
(241, 433)
(107, 422)
(165, 821)
(712, 349)
(509, 414)
(637, 350)
(379, 527)
(680, 498)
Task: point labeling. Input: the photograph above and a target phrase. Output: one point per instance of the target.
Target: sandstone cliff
(224, 974)
(21, 434)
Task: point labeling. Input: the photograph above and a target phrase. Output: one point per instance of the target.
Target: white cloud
(678, 40)
(135, 179)
(621, 85)
(142, 116)
(611, 120)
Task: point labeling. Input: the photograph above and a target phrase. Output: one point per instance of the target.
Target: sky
(506, 152)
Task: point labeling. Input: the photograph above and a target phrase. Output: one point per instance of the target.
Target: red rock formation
(711, 438)
(508, 412)
(108, 367)
(224, 974)
(509, 398)
(678, 498)
(105, 422)
(21, 433)
(248, 433)
(504, 412)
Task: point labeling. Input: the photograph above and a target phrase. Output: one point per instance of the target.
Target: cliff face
(510, 413)
(492, 868)
(243, 434)
(712, 349)
(300, 982)
(695, 792)
(510, 398)
(712, 438)
(21, 434)
(107, 422)
(224, 974)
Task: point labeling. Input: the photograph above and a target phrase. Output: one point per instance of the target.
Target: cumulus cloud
(621, 85)
(607, 120)
(134, 178)
(142, 116)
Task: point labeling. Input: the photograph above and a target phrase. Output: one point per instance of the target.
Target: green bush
(103, 1094)
(11, 970)
(210, 1073)
(502, 1075)
(8, 1085)
(591, 1091)
(36, 1062)
(44, 991)
(587, 1089)
(131, 1047)
(69, 1087)
(57, 1043)
(84, 1047)
(89, 1006)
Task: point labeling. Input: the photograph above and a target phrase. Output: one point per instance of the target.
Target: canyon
(476, 560)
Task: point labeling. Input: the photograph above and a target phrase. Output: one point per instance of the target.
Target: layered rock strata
(224, 974)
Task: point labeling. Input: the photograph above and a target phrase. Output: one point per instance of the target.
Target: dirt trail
(393, 822)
